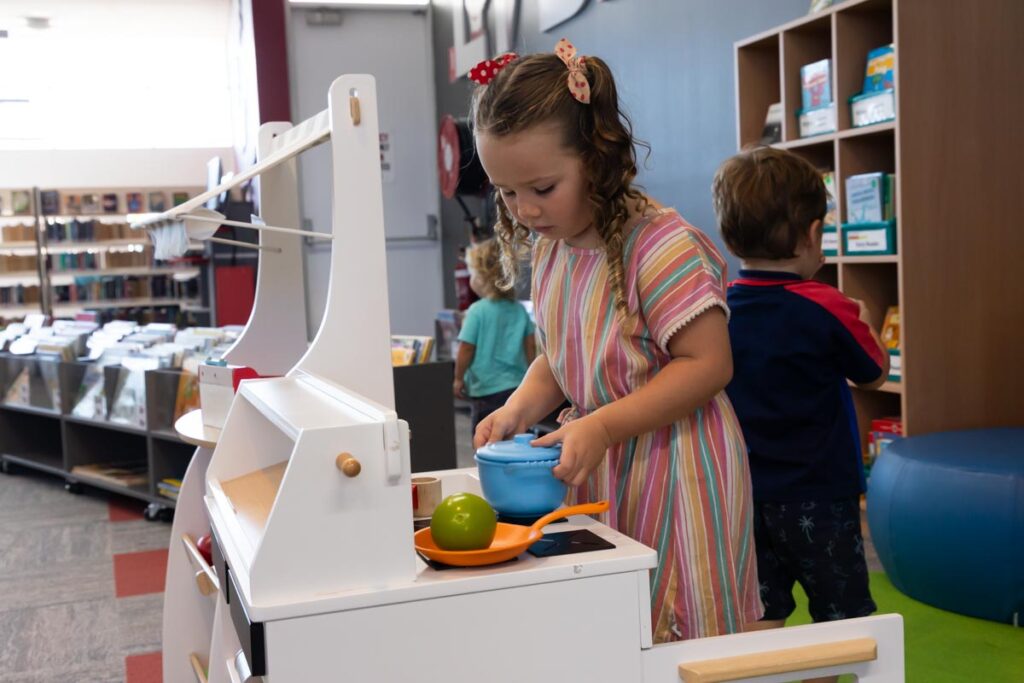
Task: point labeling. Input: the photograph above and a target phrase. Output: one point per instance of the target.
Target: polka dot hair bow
(484, 72)
(578, 85)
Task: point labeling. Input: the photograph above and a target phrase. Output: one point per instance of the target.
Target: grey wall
(673, 63)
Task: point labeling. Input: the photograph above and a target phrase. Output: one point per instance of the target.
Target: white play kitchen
(306, 489)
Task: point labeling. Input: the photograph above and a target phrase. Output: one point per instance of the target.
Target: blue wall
(673, 63)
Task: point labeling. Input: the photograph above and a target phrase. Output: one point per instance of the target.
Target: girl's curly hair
(532, 90)
(484, 259)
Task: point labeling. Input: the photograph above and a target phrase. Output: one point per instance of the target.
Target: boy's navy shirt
(794, 344)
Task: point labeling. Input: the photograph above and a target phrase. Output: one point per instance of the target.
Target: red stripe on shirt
(845, 311)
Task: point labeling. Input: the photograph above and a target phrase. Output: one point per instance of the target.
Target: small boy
(795, 342)
(496, 341)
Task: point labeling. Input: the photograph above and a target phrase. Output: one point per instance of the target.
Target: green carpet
(942, 647)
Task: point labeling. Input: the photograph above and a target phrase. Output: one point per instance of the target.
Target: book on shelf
(49, 202)
(122, 473)
(19, 391)
(157, 202)
(133, 202)
(109, 202)
(72, 204)
(410, 349)
(816, 84)
(21, 202)
(870, 197)
(91, 203)
(187, 397)
(169, 487)
(879, 74)
(772, 131)
(91, 403)
(829, 179)
(179, 198)
(891, 328)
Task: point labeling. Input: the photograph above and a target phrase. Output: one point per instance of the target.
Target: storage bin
(817, 121)
(869, 239)
(870, 108)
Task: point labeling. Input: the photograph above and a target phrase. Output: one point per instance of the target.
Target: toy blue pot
(516, 478)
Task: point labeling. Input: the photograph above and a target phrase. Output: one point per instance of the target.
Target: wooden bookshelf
(954, 148)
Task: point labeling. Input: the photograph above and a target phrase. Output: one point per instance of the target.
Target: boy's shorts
(819, 545)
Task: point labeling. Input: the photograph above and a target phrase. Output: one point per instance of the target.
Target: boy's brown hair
(765, 200)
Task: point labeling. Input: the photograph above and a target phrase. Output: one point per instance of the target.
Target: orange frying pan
(509, 539)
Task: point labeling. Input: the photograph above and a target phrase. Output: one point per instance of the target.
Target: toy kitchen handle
(789, 660)
(206, 578)
(239, 671)
(348, 465)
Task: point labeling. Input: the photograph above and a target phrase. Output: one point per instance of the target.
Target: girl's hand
(585, 443)
(502, 424)
(459, 388)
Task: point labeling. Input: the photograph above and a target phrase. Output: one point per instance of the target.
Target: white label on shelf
(895, 365)
(860, 241)
(881, 107)
(830, 241)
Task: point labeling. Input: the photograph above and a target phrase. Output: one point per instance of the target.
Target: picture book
(21, 202)
(126, 473)
(110, 203)
(865, 198)
(49, 202)
(410, 349)
(133, 202)
(772, 132)
(90, 203)
(816, 84)
(157, 202)
(829, 178)
(179, 198)
(891, 328)
(187, 397)
(881, 68)
(73, 204)
(92, 398)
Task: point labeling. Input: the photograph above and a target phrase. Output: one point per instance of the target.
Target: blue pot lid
(518, 450)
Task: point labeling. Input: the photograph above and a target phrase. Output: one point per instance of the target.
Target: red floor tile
(139, 573)
(124, 509)
(147, 668)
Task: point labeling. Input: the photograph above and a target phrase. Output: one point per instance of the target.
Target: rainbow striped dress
(684, 489)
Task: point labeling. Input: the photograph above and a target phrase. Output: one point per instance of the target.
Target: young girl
(496, 340)
(630, 306)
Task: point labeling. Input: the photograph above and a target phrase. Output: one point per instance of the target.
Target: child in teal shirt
(496, 341)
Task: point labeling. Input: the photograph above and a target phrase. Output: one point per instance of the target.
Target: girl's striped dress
(683, 490)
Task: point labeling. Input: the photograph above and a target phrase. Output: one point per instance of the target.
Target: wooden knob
(349, 466)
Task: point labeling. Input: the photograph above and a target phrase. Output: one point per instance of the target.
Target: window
(117, 74)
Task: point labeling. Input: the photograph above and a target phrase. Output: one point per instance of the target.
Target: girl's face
(541, 182)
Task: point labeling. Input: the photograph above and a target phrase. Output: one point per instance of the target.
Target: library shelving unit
(95, 262)
(39, 428)
(21, 276)
(952, 150)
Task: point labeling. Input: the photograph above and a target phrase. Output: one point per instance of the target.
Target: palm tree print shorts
(819, 545)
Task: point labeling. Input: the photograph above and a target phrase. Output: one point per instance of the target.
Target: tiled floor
(60, 617)
(81, 581)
